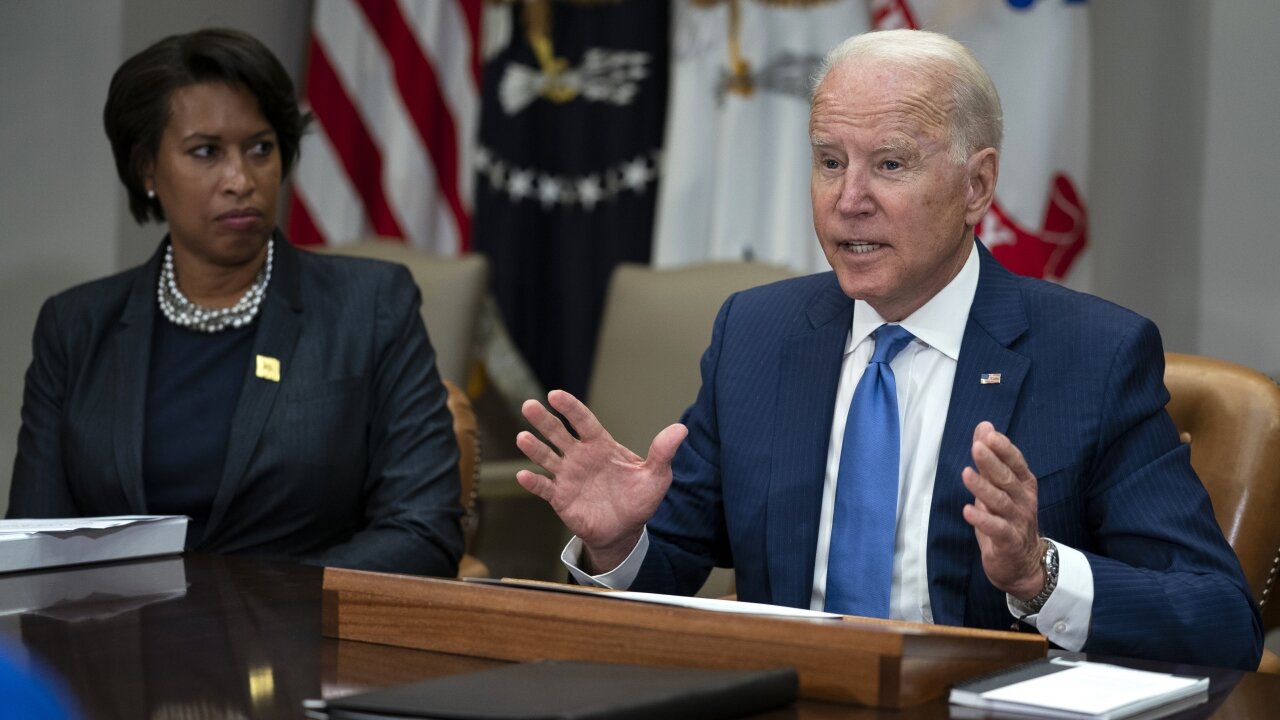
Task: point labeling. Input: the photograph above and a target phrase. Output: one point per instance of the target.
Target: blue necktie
(860, 562)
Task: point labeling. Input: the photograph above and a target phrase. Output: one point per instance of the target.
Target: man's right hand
(603, 492)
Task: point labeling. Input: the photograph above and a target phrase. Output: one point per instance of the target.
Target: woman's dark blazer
(348, 459)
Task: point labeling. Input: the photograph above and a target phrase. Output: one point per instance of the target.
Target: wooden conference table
(226, 637)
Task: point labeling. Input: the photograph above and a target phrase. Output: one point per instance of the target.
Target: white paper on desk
(698, 603)
(31, 544)
(71, 525)
(718, 605)
(1099, 690)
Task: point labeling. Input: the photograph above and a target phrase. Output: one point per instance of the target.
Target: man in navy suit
(1039, 478)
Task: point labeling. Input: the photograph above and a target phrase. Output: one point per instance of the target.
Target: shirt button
(1060, 627)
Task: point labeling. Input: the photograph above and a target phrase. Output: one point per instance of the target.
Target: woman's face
(216, 174)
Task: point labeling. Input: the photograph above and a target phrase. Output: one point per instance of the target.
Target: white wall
(1147, 158)
(1185, 181)
(1184, 185)
(57, 182)
(1239, 310)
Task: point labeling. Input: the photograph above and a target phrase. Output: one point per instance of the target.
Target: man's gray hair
(977, 121)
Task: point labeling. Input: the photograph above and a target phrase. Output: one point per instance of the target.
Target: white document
(718, 605)
(1081, 690)
(31, 544)
(71, 525)
(698, 603)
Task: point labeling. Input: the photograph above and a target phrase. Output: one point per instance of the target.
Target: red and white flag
(1037, 52)
(736, 164)
(394, 87)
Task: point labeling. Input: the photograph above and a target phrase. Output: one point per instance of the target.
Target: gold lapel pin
(989, 379)
(268, 368)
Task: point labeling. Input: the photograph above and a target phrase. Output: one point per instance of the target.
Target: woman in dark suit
(287, 402)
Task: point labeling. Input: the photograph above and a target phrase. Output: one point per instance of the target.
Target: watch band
(1049, 561)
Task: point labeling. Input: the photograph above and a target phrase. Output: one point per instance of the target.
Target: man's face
(893, 210)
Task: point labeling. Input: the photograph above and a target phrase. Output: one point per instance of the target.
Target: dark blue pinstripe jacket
(1082, 395)
(347, 459)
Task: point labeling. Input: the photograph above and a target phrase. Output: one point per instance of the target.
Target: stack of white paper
(30, 544)
(1080, 690)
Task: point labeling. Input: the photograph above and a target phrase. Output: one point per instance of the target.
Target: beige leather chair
(452, 289)
(1231, 417)
(655, 326)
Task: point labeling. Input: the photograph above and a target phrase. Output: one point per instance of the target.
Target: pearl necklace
(182, 312)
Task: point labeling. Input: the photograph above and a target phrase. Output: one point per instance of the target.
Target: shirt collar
(938, 323)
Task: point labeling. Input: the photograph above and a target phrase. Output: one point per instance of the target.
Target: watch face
(1050, 563)
(1051, 557)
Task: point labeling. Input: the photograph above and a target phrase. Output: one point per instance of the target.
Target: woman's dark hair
(137, 108)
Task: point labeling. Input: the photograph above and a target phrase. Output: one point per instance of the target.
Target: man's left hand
(1003, 514)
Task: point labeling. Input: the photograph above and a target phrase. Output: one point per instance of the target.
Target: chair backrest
(655, 325)
(1231, 417)
(452, 290)
(468, 437)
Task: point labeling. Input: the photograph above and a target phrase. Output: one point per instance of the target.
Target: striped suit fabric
(1082, 395)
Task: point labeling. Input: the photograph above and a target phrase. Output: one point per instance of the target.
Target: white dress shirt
(924, 372)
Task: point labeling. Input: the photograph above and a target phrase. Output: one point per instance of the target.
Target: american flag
(393, 85)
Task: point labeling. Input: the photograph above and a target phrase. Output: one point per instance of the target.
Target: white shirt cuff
(619, 578)
(1065, 617)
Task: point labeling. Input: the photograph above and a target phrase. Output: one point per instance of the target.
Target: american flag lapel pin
(989, 379)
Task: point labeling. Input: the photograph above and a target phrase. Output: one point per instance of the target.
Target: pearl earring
(151, 194)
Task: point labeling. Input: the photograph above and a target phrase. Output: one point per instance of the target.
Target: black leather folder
(554, 690)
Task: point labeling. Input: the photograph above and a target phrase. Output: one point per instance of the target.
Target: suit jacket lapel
(279, 324)
(809, 374)
(131, 355)
(996, 320)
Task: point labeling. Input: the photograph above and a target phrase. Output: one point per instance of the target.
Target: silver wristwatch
(1050, 563)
